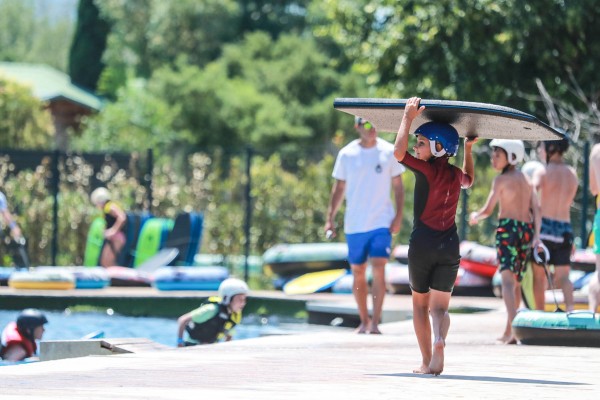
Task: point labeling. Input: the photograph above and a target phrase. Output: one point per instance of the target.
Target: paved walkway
(323, 365)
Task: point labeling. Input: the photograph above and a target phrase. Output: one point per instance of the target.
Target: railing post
(585, 194)
(148, 178)
(55, 191)
(248, 214)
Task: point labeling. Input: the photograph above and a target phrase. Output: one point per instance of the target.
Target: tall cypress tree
(89, 42)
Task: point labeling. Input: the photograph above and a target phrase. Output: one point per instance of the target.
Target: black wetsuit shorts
(558, 238)
(433, 258)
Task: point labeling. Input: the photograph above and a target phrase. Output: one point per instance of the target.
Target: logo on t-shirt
(378, 169)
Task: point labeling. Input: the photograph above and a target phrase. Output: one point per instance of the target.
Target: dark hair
(556, 146)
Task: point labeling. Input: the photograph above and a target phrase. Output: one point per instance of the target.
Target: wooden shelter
(66, 101)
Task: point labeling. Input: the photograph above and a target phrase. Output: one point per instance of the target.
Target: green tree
(24, 120)
(28, 33)
(89, 42)
(273, 95)
(273, 16)
(483, 50)
(149, 34)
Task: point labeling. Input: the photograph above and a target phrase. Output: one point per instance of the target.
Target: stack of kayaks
(314, 282)
(185, 236)
(470, 284)
(94, 243)
(152, 238)
(189, 278)
(297, 259)
(578, 328)
(400, 253)
(85, 277)
(344, 284)
(5, 273)
(286, 262)
(584, 260)
(129, 277)
(478, 259)
(396, 278)
(59, 278)
(42, 279)
(133, 228)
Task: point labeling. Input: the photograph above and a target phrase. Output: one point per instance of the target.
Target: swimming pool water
(75, 325)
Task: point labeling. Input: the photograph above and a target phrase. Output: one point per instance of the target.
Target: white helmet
(230, 287)
(100, 196)
(530, 167)
(515, 149)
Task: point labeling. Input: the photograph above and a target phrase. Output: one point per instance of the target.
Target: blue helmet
(442, 133)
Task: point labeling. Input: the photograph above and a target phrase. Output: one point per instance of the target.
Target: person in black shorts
(433, 254)
(556, 186)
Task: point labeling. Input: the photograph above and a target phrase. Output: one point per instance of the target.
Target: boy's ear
(438, 146)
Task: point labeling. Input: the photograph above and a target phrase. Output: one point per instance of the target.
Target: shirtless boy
(518, 222)
(556, 186)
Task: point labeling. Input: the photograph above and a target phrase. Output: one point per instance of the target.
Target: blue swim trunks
(375, 243)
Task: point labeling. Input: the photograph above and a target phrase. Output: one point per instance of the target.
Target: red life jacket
(11, 336)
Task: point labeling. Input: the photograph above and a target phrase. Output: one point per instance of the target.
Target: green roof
(49, 84)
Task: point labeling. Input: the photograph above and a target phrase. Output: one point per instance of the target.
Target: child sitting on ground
(518, 222)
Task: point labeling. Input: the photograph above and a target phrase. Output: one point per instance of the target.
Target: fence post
(586, 193)
(248, 214)
(55, 190)
(148, 178)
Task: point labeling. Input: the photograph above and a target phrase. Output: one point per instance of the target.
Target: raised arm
(468, 164)
(411, 111)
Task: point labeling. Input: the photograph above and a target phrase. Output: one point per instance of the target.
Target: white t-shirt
(368, 175)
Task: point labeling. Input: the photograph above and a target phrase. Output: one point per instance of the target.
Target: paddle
(543, 261)
(161, 259)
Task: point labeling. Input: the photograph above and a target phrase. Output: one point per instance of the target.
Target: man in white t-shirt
(366, 172)
(8, 218)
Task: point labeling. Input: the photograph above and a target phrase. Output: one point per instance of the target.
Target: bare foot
(423, 369)
(361, 329)
(374, 330)
(504, 338)
(436, 366)
(511, 340)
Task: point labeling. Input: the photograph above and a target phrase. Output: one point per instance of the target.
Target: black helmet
(29, 319)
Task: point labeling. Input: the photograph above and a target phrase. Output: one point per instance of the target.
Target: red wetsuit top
(437, 190)
(11, 336)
